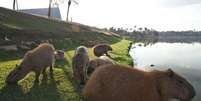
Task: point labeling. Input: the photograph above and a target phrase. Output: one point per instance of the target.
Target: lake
(183, 58)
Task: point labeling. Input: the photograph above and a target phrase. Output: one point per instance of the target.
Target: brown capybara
(107, 58)
(36, 60)
(123, 83)
(79, 64)
(102, 49)
(95, 63)
(59, 55)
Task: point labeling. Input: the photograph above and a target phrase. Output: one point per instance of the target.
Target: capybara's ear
(170, 72)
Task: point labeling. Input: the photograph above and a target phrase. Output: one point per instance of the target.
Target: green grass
(60, 87)
(18, 26)
(120, 53)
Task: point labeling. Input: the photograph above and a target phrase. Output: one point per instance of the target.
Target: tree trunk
(69, 3)
(13, 4)
(16, 4)
(49, 9)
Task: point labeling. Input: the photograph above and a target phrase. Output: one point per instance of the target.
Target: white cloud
(178, 3)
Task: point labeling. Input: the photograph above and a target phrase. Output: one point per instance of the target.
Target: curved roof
(55, 13)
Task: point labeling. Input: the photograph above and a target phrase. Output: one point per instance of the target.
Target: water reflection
(168, 54)
(184, 58)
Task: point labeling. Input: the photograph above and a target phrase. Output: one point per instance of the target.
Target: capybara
(79, 64)
(36, 60)
(123, 83)
(95, 63)
(107, 58)
(102, 49)
(59, 55)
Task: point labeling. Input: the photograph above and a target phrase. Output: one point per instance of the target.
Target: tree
(140, 29)
(49, 9)
(15, 3)
(69, 4)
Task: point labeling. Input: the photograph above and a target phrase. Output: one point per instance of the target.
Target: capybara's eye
(180, 81)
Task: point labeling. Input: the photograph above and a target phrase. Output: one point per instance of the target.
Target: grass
(18, 26)
(59, 87)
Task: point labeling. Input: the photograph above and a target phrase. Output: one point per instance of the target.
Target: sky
(161, 15)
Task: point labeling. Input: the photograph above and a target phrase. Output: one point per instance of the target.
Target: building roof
(55, 12)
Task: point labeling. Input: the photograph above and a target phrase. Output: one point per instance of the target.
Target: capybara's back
(113, 83)
(123, 83)
(101, 49)
(79, 63)
(43, 55)
(95, 63)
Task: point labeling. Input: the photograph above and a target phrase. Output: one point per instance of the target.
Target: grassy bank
(60, 87)
(18, 27)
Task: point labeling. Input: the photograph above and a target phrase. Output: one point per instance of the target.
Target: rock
(9, 47)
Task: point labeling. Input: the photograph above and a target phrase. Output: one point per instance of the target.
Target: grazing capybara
(95, 63)
(79, 64)
(123, 83)
(36, 60)
(101, 49)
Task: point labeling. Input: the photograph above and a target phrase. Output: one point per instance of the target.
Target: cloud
(178, 3)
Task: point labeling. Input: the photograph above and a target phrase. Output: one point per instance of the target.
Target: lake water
(183, 58)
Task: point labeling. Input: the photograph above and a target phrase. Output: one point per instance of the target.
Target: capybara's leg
(81, 78)
(85, 73)
(37, 76)
(108, 55)
(75, 76)
(44, 74)
(51, 69)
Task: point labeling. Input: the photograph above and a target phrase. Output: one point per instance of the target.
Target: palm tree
(69, 3)
(62, 1)
(140, 29)
(15, 3)
(49, 9)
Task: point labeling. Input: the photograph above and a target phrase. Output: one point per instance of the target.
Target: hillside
(18, 27)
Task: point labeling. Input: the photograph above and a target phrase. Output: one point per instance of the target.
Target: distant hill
(180, 34)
